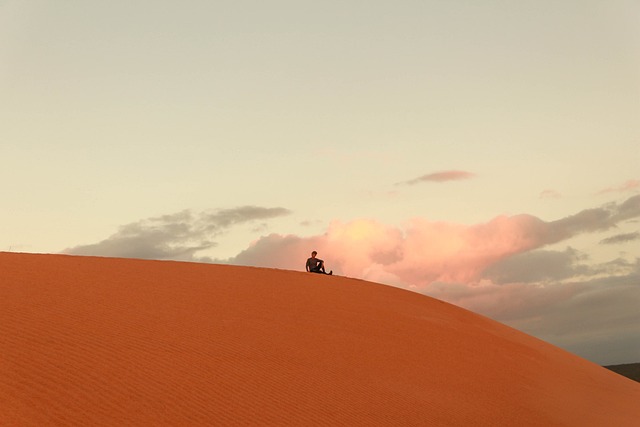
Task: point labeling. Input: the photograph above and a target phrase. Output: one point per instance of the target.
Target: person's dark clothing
(315, 265)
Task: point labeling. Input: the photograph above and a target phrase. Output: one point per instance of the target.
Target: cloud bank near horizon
(499, 268)
(424, 252)
(179, 236)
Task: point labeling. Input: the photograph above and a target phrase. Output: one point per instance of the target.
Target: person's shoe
(331, 273)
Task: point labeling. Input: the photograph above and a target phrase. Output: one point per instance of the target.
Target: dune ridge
(107, 341)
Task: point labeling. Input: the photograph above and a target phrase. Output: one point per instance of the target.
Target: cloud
(423, 252)
(598, 219)
(223, 218)
(594, 317)
(444, 176)
(629, 186)
(620, 238)
(537, 266)
(178, 236)
(500, 268)
(630, 209)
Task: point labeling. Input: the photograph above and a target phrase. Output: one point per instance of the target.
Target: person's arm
(307, 266)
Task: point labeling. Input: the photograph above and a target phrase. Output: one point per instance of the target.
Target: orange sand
(99, 341)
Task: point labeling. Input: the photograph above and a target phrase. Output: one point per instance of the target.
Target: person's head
(313, 254)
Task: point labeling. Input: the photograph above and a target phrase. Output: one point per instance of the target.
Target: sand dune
(98, 341)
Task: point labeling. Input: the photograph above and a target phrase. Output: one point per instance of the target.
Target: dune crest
(105, 341)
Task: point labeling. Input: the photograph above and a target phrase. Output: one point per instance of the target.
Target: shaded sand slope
(99, 341)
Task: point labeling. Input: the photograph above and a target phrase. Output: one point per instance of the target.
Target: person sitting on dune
(316, 265)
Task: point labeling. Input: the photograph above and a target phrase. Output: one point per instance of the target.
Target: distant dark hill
(629, 370)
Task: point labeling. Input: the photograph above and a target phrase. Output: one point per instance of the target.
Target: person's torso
(313, 262)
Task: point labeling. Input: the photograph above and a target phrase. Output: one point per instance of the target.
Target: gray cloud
(595, 317)
(629, 209)
(590, 220)
(537, 266)
(620, 238)
(177, 236)
(227, 217)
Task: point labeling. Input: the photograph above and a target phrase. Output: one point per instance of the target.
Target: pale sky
(486, 153)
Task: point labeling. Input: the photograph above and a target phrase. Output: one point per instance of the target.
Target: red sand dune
(98, 341)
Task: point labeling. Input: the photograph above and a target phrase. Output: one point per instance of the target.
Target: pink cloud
(425, 252)
(497, 268)
(629, 186)
(452, 175)
(421, 253)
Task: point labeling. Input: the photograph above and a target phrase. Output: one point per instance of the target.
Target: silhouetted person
(316, 265)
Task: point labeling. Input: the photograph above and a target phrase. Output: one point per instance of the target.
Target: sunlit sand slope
(98, 341)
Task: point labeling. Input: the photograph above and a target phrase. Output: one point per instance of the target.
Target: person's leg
(319, 269)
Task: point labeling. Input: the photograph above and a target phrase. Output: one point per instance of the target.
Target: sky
(483, 153)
